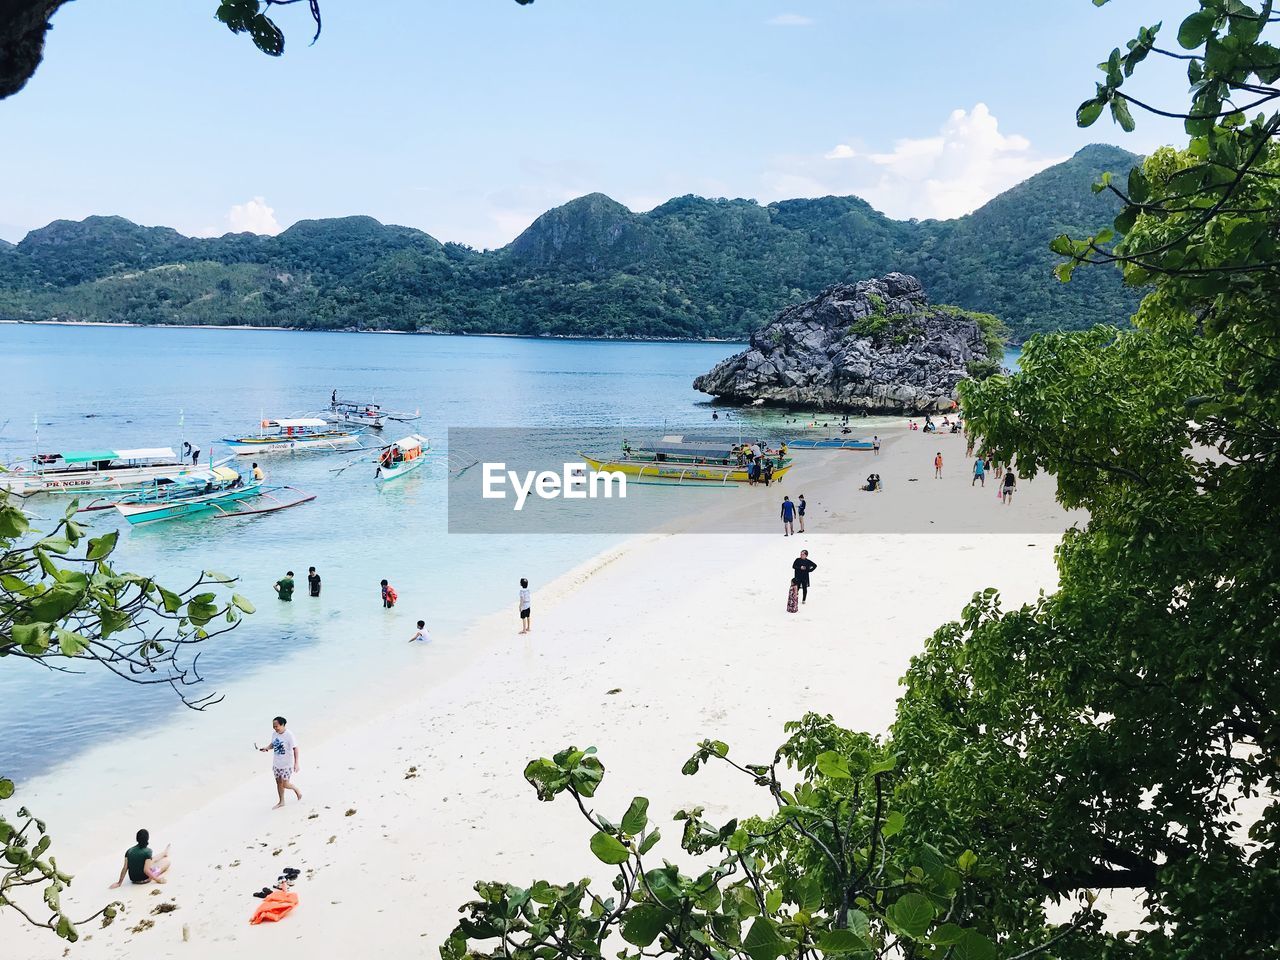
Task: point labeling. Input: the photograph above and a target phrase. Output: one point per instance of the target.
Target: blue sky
(469, 118)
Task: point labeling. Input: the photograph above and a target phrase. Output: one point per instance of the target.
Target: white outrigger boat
(356, 414)
(404, 456)
(93, 471)
(301, 433)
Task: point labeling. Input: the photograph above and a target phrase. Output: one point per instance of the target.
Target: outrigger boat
(403, 456)
(302, 433)
(672, 460)
(93, 471)
(356, 414)
(725, 453)
(830, 443)
(200, 492)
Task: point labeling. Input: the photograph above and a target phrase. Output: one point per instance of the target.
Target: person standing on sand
(875, 446)
(803, 566)
(284, 587)
(937, 465)
(800, 508)
(979, 473)
(793, 596)
(139, 865)
(788, 515)
(422, 636)
(284, 759)
(313, 582)
(525, 605)
(1010, 484)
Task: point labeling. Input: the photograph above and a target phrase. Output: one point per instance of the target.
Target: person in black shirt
(803, 566)
(313, 582)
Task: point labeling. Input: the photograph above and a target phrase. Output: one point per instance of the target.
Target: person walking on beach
(875, 446)
(1010, 484)
(284, 587)
(803, 566)
(979, 473)
(422, 636)
(793, 596)
(284, 759)
(139, 865)
(389, 596)
(313, 582)
(257, 473)
(788, 515)
(800, 508)
(937, 465)
(525, 605)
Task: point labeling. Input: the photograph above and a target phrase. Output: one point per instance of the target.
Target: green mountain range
(691, 268)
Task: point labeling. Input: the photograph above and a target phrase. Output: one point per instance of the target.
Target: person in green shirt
(284, 587)
(140, 866)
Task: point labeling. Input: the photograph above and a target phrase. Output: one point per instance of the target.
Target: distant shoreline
(407, 333)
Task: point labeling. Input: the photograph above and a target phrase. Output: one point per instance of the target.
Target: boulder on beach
(877, 346)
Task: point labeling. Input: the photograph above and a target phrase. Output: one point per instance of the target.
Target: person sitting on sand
(139, 865)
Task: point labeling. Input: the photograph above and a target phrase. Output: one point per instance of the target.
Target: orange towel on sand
(275, 906)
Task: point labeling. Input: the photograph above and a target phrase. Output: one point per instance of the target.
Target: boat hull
(387, 474)
(149, 512)
(247, 446)
(677, 472)
(122, 480)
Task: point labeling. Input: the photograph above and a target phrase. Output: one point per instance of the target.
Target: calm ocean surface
(123, 386)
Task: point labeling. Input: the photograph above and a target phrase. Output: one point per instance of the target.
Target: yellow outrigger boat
(676, 472)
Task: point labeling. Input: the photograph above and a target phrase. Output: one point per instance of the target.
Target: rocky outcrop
(875, 345)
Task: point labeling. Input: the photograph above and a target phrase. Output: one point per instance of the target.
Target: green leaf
(842, 941)
(967, 861)
(6, 788)
(643, 922)
(1195, 30)
(974, 946)
(1120, 113)
(911, 914)
(883, 766)
(637, 817)
(242, 603)
(762, 941)
(172, 602)
(1089, 111)
(893, 824)
(72, 644)
(609, 849)
(100, 547)
(13, 523)
(833, 765)
(648, 842)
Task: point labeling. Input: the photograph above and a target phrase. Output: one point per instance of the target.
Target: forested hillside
(691, 268)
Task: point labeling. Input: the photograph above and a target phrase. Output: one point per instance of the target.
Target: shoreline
(641, 650)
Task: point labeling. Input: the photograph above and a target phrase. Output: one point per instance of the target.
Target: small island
(874, 346)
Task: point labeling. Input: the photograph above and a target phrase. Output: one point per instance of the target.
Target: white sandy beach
(413, 788)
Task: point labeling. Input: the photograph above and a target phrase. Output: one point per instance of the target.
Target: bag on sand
(275, 906)
(793, 599)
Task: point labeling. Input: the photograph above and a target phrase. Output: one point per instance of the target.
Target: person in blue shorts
(979, 472)
(800, 508)
(788, 515)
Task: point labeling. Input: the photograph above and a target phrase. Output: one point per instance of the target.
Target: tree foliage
(1121, 732)
(64, 607)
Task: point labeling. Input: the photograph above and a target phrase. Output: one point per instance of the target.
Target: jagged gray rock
(875, 345)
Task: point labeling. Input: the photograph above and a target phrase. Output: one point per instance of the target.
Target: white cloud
(950, 174)
(253, 216)
(790, 20)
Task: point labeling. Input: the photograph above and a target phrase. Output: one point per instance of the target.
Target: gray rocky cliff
(875, 345)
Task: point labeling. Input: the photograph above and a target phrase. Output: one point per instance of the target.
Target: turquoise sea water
(90, 387)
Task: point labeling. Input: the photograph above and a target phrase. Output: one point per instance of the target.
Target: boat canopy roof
(146, 453)
(89, 456)
(409, 442)
(225, 473)
(688, 449)
(296, 422)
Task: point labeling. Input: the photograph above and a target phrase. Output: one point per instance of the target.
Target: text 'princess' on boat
(90, 471)
(302, 433)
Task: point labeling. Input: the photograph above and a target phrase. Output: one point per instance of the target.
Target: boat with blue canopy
(93, 471)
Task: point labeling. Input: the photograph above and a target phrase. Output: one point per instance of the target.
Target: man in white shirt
(523, 605)
(422, 636)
